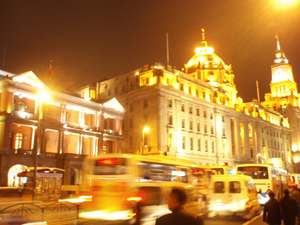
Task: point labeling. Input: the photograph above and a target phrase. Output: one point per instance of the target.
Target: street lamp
(43, 96)
(146, 129)
(296, 159)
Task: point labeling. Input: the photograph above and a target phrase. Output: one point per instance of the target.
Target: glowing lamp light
(44, 96)
(287, 1)
(146, 129)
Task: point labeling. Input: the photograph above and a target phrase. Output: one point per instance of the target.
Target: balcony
(11, 151)
(112, 132)
(24, 115)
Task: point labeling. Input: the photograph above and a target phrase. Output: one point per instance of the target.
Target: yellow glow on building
(208, 98)
(289, 156)
(8, 110)
(28, 78)
(176, 85)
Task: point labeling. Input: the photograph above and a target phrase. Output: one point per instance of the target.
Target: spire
(279, 54)
(203, 42)
(203, 34)
(278, 45)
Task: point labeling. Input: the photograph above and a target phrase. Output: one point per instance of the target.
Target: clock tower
(282, 83)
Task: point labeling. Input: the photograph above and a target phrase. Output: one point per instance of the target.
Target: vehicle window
(149, 195)
(219, 171)
(250, 187)
(256, 172)
(155, 171)
(219, 187)
(110, 166)
(234, 187)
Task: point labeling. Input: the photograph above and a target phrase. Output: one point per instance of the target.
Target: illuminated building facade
(70, 128)
(284, 97)
(195, 114)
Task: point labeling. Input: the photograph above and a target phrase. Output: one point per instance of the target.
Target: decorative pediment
(29, 78)
(113, 103)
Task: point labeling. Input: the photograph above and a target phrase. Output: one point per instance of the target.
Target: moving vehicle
(294, 180)
(117, 185)
(233, 195)
(266, 178)
(222, 170)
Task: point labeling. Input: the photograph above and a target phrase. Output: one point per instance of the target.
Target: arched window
(19, 141)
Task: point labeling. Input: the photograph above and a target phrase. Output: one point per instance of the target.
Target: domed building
(195, 114)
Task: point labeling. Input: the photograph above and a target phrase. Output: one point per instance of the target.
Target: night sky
(90, 40)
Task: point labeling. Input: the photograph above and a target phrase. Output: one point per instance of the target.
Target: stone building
(64, 127)
(195, 114)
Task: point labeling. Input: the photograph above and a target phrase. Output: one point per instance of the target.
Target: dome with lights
(205, 56)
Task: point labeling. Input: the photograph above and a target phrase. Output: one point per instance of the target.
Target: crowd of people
(286, 209)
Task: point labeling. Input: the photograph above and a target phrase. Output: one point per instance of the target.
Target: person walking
(272, 213)
(289, 208)
(296, 195)
(179, 216)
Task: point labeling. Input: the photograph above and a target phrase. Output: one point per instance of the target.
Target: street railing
(40, 212)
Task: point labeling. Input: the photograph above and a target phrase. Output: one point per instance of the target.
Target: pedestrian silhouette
(289, 208)
(272, 214)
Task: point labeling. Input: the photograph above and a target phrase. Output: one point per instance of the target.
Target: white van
(233, 195)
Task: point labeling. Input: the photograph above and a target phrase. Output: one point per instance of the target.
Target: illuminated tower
(283, 87)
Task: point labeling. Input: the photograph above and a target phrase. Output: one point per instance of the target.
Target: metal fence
(39, 212)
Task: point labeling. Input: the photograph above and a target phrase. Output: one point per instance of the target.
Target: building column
(80, 150)
(238, 139)
(100, 145)
(219, 140)
(63, 142)
(6, 136)
(59, 142)
(42, 147)
(247, 139)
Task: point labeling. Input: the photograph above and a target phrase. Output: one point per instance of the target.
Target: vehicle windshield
(219, 171)
(256, 172)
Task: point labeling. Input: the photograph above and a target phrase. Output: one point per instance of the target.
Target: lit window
(191, 125)
(92, 94)
(170, 120)
(170, 103)
(19, 141)
(145, 103)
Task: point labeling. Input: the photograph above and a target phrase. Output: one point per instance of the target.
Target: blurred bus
(223, 170)
(200, 177)
(118, 185)
(266, 177)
